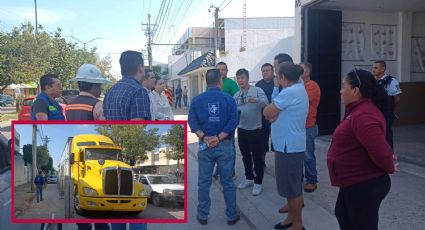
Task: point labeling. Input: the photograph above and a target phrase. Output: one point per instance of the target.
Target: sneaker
(257, 189)
(202, 221)
(233, 222)
(310, 187)
(245, 184)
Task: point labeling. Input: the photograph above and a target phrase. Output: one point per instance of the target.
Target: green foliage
(135, 140)
(27, 150)
(175, 139)
(25, 56)
(42, 155)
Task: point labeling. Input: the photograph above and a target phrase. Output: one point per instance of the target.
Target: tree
(42, 155)
(175, 139)
(135, 140)
(27, 150)
(49, 166)
(25, 56)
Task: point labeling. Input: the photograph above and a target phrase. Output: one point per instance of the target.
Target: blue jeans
(185, 100)
(310, 158)
(133, 226)
(39, 189)
(223, 155)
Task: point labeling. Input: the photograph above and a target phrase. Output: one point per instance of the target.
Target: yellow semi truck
(98, 177)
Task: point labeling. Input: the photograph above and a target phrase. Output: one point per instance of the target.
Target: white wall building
(336, 36)
(259, 32)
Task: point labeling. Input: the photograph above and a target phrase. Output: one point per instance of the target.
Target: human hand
(396, 164)
(252, 100)
(273, 119)
(211, 141)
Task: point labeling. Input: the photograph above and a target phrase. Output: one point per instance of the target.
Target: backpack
(387, 102)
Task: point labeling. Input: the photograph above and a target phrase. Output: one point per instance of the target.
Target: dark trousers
(357, 206)
(185, 100)
(178, 102)
(266, 130)
(97, 226)
(252, 152)
(389, 119)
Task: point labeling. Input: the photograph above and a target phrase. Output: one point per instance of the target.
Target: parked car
(6, 100)
(52, 179)
(162, 188)
(25, 109)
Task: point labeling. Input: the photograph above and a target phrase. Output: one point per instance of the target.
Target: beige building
(158, 163)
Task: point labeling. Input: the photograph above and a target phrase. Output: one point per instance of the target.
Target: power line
(221, 3)
(165, 22)
(226, 5)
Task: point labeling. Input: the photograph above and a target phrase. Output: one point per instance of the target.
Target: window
(89, 143)
(156, 157)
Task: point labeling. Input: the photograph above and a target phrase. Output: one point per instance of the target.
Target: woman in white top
(161, 109)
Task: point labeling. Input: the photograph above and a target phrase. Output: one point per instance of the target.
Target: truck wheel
(156, 199)
(77, 207)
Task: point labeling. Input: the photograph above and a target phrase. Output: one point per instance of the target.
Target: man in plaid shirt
(128, 99)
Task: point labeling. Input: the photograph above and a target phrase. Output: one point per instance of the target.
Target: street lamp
(84, 43)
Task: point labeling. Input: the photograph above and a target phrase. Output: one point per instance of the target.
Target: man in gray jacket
(250, 101)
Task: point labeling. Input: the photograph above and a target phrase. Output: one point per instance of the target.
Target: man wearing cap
(128, 99)
(87, 106)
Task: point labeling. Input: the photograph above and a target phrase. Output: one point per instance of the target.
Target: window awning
(200, 63)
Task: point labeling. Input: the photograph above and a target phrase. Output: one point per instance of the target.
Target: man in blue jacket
(39, 182)
(213, 117)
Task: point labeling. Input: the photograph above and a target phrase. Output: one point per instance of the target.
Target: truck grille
(118, 186)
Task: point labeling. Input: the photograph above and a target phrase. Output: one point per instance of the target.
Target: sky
(58, 137)
(118, 24)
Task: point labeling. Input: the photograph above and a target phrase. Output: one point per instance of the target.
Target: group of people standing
(284, 107)
(138, 95)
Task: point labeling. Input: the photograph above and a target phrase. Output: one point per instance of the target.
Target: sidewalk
(23, 199)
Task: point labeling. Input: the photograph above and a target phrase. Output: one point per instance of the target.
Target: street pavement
(51, 207)
(403, 208)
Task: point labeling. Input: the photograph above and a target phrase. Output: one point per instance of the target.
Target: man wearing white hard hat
(87, 106)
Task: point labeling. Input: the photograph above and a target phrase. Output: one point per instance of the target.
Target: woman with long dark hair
(359, 158)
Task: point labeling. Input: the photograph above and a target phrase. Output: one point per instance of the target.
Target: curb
(192, 151)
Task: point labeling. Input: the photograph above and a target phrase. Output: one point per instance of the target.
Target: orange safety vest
(169, 95)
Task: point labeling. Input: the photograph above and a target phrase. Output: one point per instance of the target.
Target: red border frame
(108, 122)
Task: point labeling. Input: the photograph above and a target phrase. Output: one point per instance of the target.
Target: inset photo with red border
(99, 172)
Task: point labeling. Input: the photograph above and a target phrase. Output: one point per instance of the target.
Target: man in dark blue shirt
(267, 85)
(213, 117)
(128, 99)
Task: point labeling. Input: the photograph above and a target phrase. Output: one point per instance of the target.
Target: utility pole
(36, 21)
(149, 35)
(34, 156)
(45, 140)
(216, 9)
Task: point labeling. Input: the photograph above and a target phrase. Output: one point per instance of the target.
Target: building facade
(336, 36)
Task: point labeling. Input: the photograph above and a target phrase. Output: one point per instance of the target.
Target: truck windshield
(105, 154)
(161, 180)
